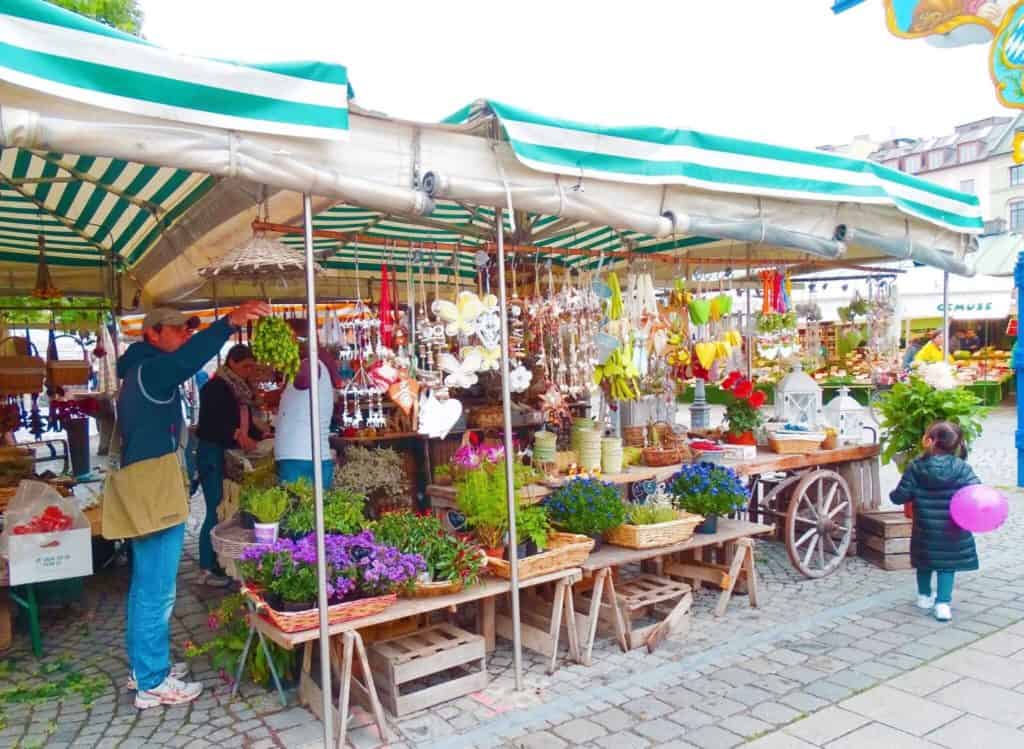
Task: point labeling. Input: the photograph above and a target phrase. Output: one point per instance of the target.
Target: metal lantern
(798, 398)
(846, 416)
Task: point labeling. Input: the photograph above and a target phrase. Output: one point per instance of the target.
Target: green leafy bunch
(266, 505)
(274, 344)
(775, 322)
(448, 558)
(65, 312)
(651, 514)
(586, 506)
(229, 623)
(344, 510)
(533, 524)
(480, 496)
(909, 408)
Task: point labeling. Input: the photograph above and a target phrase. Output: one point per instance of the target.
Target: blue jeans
(944, 594)
(210, 462)
(293, 470)
(155, 559)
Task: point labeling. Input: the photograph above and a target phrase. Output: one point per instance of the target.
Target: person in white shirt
(293, 444)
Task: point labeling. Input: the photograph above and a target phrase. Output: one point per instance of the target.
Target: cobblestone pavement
(812, 645)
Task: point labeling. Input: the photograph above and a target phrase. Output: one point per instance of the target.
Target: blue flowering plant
(586, 506)
(707, 489)
(357, 567)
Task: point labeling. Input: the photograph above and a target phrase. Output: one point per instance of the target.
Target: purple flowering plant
(357, 566)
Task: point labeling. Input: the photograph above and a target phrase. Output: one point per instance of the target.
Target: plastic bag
(29, 509)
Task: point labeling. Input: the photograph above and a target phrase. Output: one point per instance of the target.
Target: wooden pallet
(644, 595)
(398, 662)
(883, 539)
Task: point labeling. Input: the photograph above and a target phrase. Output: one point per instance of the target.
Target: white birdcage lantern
(844, 414)
(798, 398)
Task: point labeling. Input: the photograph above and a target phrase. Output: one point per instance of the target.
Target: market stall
(481, 272)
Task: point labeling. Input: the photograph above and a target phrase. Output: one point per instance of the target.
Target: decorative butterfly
(490, 358)
(459, 315)
(461, 374)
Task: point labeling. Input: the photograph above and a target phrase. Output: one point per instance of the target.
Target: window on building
(936, 159)
(893, 164)
(1017, 174)
(912, 164)
(1017, 215)
(969, 151)
(967, 185)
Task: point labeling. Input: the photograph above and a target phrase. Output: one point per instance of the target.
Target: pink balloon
(979, 509)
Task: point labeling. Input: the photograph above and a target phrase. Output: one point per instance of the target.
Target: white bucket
(266, 533)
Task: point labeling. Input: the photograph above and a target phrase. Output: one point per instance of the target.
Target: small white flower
(519, 379)
(937, 374)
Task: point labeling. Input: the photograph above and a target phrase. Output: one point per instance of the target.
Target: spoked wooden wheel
(819, 523)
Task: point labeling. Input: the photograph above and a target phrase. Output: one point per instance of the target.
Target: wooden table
(600, 565)
(347, 642)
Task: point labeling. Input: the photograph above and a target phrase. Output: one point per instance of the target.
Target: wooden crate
(883, 538)
(399, 662)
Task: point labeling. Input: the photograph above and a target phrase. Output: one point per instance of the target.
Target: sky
(784, 72)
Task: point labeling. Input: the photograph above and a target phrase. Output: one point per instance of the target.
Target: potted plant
(588, 507)
(930, 395)
(480, 495)
(707, 489)
(742, 414)
(378, 474)
(443, 475)
(344, 511)
(267, 506)
(532, 530)
(448, 559)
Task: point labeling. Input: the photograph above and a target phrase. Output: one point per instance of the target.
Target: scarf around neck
(240, 388)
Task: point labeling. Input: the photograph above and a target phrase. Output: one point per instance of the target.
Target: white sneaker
(942, 612)
(178, 671)
(213, 580)
(171, 692)
(925, 603)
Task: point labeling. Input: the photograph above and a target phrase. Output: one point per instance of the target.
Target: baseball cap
(168, 316)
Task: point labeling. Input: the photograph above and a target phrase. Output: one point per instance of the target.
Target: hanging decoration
(44, 288)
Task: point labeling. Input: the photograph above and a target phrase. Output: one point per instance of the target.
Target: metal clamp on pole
(903, 248)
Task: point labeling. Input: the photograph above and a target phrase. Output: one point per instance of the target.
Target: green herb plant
(266, 505)
(448, 558)
(651, 514)
(909, 408)
(534, 525)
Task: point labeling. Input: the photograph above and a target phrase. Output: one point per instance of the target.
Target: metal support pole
(1018, 367)
(510, 489)
(945, 314)
(318, 475)
(749, 338)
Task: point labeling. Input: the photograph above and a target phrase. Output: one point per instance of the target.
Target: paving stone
(580, 731)
(984, 700)
(804, 702)
(750, 695)
(773, 712)
(626, 740)
(613, 719)
(853, 679)
(877, 734)
(971, 730)
(721, 707)
(1002, 643)
(825, 726)
(828, 690)
(540, 740)
(746, 726)
(659, 730)
(994, 669)
(878, 671)
(296, 716)
(712, 737)
(306, 736)
(649, 708)
(901, 710)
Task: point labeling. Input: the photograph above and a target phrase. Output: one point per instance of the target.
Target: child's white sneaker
(925, 603)
(942, 612)
(178, 671)
(170, 692)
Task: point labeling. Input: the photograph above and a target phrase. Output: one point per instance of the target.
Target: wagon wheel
(774, 503)
(819, 523)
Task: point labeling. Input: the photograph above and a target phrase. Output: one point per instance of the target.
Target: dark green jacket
(937, 543)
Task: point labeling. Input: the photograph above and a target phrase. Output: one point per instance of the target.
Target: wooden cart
(813, 500)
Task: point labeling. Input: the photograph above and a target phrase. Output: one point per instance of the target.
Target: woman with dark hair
(225, 422)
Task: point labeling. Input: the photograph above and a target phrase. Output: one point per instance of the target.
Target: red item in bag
(908, 510)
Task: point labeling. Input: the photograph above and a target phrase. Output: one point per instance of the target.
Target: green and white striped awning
(654, 155)
(48, 49)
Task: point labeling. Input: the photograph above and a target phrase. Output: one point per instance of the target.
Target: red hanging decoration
(387, 317)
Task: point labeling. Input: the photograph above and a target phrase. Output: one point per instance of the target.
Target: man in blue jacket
(150, 422)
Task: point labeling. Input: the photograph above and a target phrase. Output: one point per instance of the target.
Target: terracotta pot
(498, 552)
(743, 438)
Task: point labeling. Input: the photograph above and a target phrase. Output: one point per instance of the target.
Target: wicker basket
(432, 590)
(656, 457)
(66, 373)
(651, 536)
(487, 417)
(21, 375)
(793, 445)
(564, 550)
(300, 621)
(230, 539)
(634, 436)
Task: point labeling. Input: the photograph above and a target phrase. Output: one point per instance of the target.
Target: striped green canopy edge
(49, 49)
(654, 155)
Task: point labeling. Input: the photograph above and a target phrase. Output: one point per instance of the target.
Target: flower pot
(297, 605)
(247, 520)
(520, 551)
(742, 438)
(598, 540)
(266, 533)
(710, 525)
(496, 552)
(531, 549)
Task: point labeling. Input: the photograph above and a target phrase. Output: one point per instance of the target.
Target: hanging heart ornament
(403, 393)
(437, 418)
